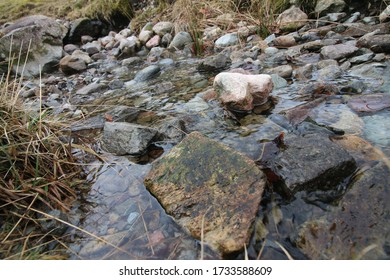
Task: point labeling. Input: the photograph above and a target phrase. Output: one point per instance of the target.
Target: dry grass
(37, 170)
(68, 9)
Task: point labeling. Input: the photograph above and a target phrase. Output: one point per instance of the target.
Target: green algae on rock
(201, 180)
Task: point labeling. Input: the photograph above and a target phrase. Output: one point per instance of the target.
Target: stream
(131, 224)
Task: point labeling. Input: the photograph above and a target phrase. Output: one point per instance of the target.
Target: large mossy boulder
(210, 188)
(37, 37)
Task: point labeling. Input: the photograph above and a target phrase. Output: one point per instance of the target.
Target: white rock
(242, 92)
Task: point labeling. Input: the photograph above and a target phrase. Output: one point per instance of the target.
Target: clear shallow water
(120, 210)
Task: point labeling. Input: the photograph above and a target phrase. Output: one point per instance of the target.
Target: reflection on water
(128, 221)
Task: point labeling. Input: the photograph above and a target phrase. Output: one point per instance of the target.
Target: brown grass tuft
(37, 170)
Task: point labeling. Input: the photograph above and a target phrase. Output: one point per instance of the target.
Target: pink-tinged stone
(242, 92)
(153, 42)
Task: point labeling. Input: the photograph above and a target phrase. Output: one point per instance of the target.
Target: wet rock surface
(353, 230)
(203, 182)
(330, 81)
(126, 139)
(307, 163)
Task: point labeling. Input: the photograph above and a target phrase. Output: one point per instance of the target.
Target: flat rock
(215, 63)
(376, 43)
(359, 29)
(203, 180)
(369, 103)
(91, 88)
(285, 41)
(227, 40)
(240, 92)
(308, 163)
(121, 138)
(147, 73)
(338, 51)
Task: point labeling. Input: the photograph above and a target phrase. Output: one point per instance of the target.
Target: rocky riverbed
(262, 143)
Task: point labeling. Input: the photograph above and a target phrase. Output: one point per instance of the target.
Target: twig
(146, 229)
(284, 251)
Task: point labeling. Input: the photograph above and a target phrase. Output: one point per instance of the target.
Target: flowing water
(124, 221)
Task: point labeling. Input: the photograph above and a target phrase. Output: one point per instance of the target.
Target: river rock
(374, 70)
(180, 40)
(147, 73)
(46, 36)
(385, 15)
(212, 33)
(330, 72)
(211, 189)
(145, 35)
(92, 47)
(242, 92)
(304, 72)
(326, 62)
(278, 81)
(358, 228)
(86, 39)
(329, 6)
(79, 54)
(215, 63)
(70, 48)
(362, 58)
(91, 88)
(153, 42)
(128, 46)
(163, 27)
(291, 19)
(376, 43)
(338, 117)
(122, 138)
(369, 103)
(227, 40)
(284, 71)
(172, 130)
(285, 41)
(308, 163)
(71, 65)
(359, 29)
(166, 39)
(338, 51)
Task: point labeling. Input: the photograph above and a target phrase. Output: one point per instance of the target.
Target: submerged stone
(369, 103)
(308, 163)
(210, 188)
(358, 228)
